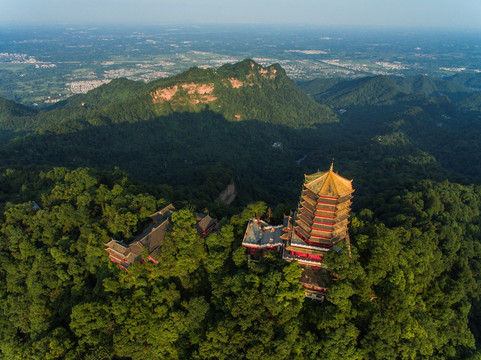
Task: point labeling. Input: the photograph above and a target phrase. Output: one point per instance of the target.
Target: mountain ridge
(242, 91)
(381, 89)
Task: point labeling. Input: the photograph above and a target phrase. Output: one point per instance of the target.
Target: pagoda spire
(332, 165)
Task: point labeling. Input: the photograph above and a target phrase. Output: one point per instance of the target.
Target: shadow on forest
(182, 149)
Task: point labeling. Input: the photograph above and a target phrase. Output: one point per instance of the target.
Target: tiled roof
(204, 222)
(261, 234)
(117, 247)
(150, 239)
(328, 183)
(318, 278)
(162, 214)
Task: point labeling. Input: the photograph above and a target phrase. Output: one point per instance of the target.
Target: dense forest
(94, 168)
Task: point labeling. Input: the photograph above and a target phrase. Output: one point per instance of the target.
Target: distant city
(42, 66)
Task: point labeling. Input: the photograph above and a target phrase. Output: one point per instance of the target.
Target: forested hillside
(407, 125)
(409, 290)
(244, 91)
(95, 167)
(173, 131)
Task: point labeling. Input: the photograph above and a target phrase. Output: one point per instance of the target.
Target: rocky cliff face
(229, 194)
(213, 86)
(193, 93)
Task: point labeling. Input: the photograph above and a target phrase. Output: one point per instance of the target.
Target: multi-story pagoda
(319, 223)
(321, 219)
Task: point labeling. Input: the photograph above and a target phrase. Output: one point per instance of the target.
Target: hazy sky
(426, 13)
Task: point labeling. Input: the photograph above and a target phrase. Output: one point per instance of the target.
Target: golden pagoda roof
(328, 183)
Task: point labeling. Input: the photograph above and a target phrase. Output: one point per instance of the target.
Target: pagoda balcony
(305, 220)
(341, 218)
(301, 260)
(303, 228)
(325, 222)
(325, 242)
(330, 212)
(328, 197)
(306, 213)
(333, 208)
(345, 198)
(344, 205)
(316, 234)
(307, 197)
(330, 217)
(302, 233)
(332, 226)
(329, 232)
(309, 192)
(307, 207)
(333, 213)
(317, 237)
(318, 228)
(328, 201)
(322, 204)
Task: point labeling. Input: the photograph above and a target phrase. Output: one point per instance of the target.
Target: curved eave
(328, 184)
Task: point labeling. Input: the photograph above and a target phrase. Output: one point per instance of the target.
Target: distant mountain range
(381, 89)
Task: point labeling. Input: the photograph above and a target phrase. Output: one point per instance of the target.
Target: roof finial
(332, 165)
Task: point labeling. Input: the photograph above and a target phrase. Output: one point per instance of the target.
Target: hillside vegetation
(244, 91)
(410, 289)
(98, 164)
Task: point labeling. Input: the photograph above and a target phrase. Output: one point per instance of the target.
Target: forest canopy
(410, 290)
